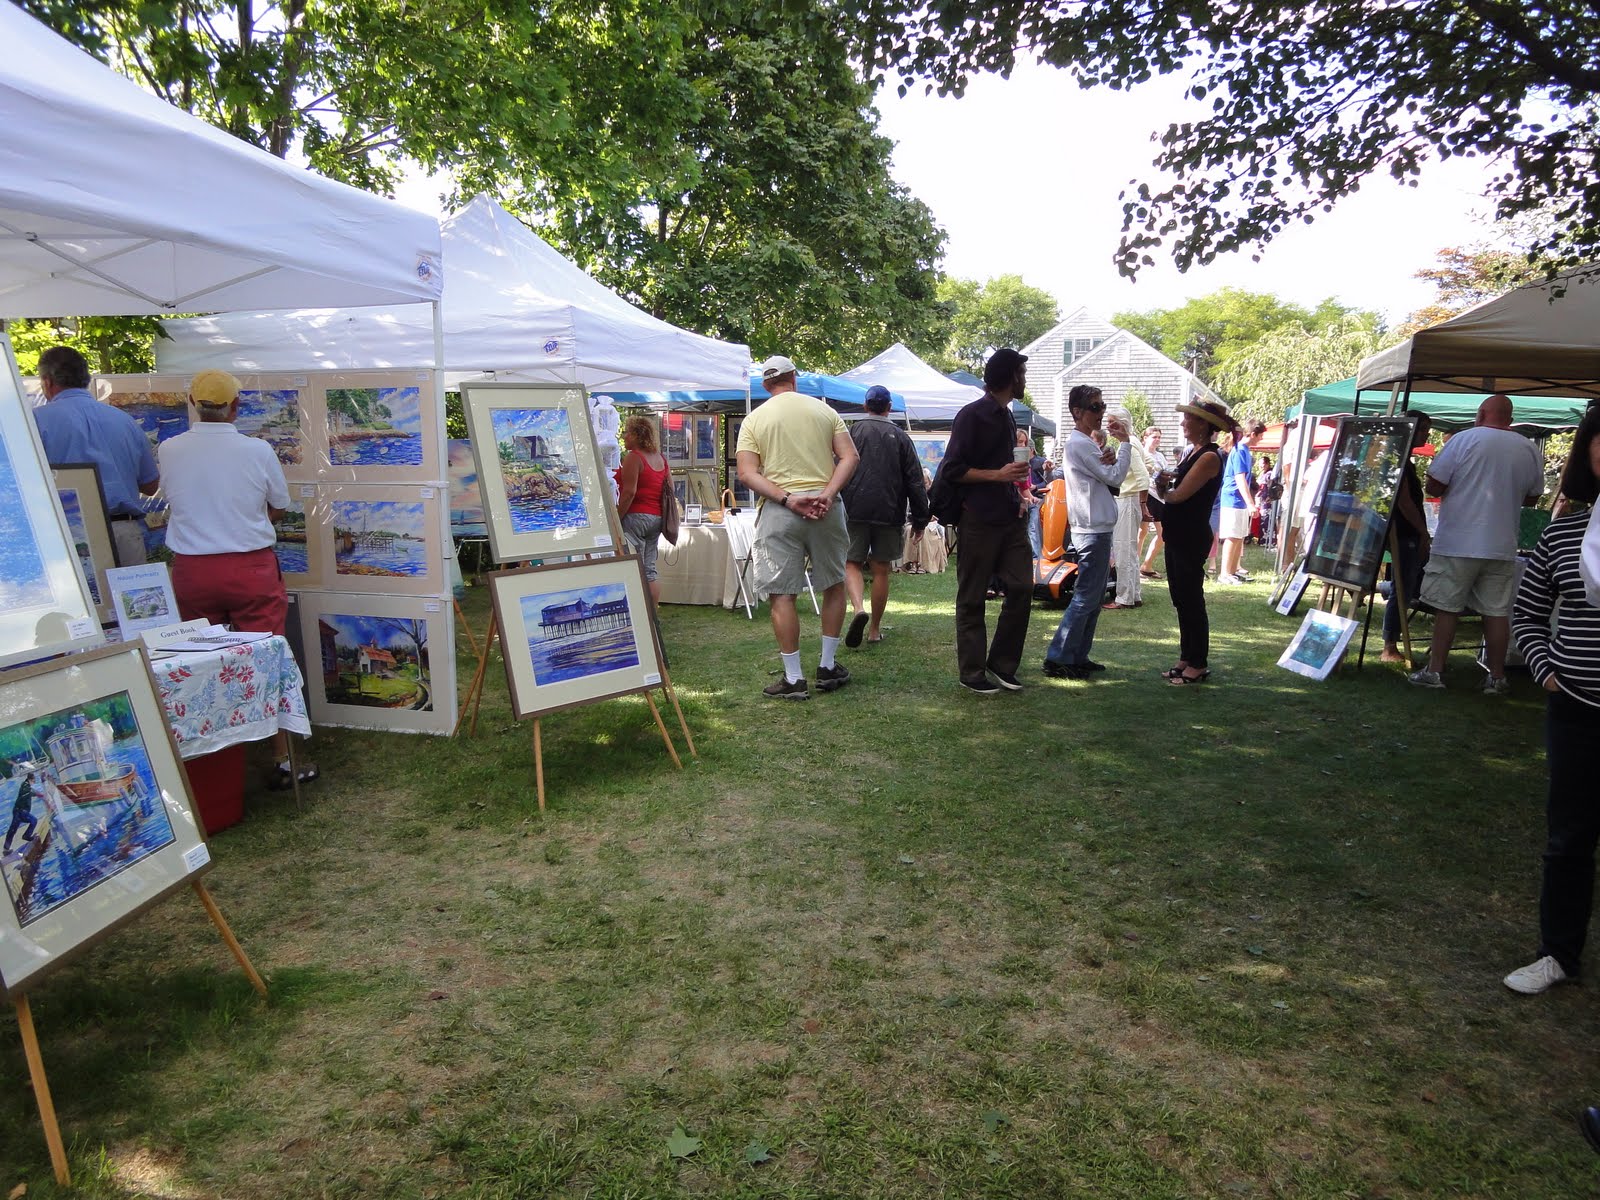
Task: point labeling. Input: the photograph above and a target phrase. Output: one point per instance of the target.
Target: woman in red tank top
(639, 481)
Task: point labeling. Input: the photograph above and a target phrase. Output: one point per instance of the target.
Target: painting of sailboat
(380, 537)
(82, 800)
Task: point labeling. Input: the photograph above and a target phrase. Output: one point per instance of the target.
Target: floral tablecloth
(239, 694)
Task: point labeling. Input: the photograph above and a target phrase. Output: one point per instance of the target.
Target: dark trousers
(992, 550)
(1408, 570)
(19, 818)
(1186, 584)
(1572, 815)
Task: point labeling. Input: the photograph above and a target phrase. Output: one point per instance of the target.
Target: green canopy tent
(1535, 416)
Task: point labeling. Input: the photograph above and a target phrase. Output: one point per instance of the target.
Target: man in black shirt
(980, 459)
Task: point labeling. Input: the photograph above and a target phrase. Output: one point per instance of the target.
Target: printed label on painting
(376, 662)
(581, 632)
(375, 427)
(379, 537)
(196, 857)
(539, 467)
(83, 800)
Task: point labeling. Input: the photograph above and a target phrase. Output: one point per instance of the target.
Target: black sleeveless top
(1189, 521)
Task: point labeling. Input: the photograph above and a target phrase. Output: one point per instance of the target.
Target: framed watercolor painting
(466, 504)
(378, 427)
(379, 662)
(142, 598)
(102, 823)
(1319, 644)
(538, 471)
(301, 533)
(83, 503)
(1360, 489)
(45, 603)
(574, 633)
(383, 539)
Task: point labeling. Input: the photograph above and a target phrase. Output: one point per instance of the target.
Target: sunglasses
(1093, 408)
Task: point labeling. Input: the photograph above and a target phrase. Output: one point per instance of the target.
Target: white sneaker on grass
(1496, 687)
(1425, 678)
(1536, 977)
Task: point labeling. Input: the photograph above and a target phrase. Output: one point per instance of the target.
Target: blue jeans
(1075, 635)
(1036, 531)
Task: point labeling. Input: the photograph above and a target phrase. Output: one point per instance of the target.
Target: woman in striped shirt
(1567, 664)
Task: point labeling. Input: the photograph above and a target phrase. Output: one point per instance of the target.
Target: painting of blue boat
(82, 800)
(24, 578)
(376, 662)
(380, 537)
(161, 415)
(375, 427)
(579, 632)
(539, 469)
(274, 417)
(72, 507)
(290, 547)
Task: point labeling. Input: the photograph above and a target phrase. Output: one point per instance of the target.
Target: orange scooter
(1056, 570)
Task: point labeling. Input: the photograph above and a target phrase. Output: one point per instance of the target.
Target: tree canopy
(1297, 105)
(1005, 311)
(1466, 278)
(1266, 378)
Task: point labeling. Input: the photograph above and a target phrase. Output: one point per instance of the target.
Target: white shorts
(1486, 586)
(1235, 523)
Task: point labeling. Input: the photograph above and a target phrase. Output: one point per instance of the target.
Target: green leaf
(681, 1145)
(992, 1120)
(756, 1152)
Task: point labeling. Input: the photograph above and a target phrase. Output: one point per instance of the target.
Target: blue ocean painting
(579, 632)
(274, 417)
(80, 537)
(466, 501)
(161, 415)
(539, 469)
(91, 808)
(24, 579)
(291, 548)
(375, 427)
(380, 537)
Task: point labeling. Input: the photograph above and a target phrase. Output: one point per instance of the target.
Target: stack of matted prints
(363, 543)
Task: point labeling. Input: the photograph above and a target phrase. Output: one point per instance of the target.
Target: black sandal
(1182, 680)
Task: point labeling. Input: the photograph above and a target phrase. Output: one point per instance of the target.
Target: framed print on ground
(102, 824)
(378, 427)
(1360, 489)
(1288, 594)
(538, 471)
(1319, 644)
(575, 633)
(142, 598)
(385, 540)
(83, 503)
(45, 603)
(379, 662)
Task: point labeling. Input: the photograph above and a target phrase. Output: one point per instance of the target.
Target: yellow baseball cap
(213, 389)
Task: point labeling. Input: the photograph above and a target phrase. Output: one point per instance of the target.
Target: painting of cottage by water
(539, 466)
(375, 427)
(161, 414)
(380, 537)
(376, 662)
(579, 632)
(83, 803)
(273, 415)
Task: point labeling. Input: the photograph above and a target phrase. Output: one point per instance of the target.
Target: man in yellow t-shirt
(795, 454)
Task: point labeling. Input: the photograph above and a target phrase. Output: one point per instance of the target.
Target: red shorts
(244, 590)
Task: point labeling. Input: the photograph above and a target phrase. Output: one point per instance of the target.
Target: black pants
(1186, 580)
(19, 818)
(986, 550)
(1572, 815)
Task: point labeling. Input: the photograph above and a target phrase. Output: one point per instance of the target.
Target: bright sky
(1056, 221)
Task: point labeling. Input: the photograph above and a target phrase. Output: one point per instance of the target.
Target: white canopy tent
(515, 307)
(1530, 342)
(112, 202)
(930, 395)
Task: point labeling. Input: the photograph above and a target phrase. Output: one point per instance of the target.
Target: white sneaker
(1496, 687)
(1229, 581)
(1536, 977)
(1425, 678)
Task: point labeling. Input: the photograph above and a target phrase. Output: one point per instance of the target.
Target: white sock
(791, 667)
(829, 647)
(283, 764)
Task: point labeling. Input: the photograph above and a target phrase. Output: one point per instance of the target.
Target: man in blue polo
(77, 428)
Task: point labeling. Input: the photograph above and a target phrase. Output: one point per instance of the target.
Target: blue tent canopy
(812, 383)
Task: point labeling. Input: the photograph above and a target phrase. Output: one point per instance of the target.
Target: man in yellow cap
(225, 490)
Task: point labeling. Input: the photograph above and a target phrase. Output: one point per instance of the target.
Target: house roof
(379, 655)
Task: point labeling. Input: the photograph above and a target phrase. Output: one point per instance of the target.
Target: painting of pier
(580, 632)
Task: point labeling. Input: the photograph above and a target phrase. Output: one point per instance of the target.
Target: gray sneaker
(831, 679)
(1496, 687)
(1425, 678)
(1536, 977)
(784, 690)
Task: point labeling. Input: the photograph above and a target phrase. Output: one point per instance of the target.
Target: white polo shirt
(1490, 472)
(219, 484)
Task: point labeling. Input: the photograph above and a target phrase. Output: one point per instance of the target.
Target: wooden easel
(666, 686)
(30, 1040)
(1340, 594)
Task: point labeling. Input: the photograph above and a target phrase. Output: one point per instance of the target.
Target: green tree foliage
(1206, 333)
(1297, 105)
(112, 345)
(985, 316)
(781, 227)
(1264, 380)
(1140, 415)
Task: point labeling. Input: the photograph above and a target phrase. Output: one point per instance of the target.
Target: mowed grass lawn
(1103, 939)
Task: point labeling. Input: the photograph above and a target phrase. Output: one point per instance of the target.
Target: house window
(1077, 348)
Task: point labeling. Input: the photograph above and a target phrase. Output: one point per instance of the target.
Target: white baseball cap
(777, 365)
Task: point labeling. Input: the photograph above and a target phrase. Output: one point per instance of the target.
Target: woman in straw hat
(1186, 527)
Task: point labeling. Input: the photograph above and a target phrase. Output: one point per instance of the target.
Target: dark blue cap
(878, 392)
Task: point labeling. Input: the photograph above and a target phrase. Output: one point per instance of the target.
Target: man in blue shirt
(77, 428)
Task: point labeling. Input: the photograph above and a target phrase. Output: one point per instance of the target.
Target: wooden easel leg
(472, 639)
(672, 694)
(217, 919)
(477, 703)
(538, 763)
(294, 773)
(475, 692)
(662, 725)
(41, 1093)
